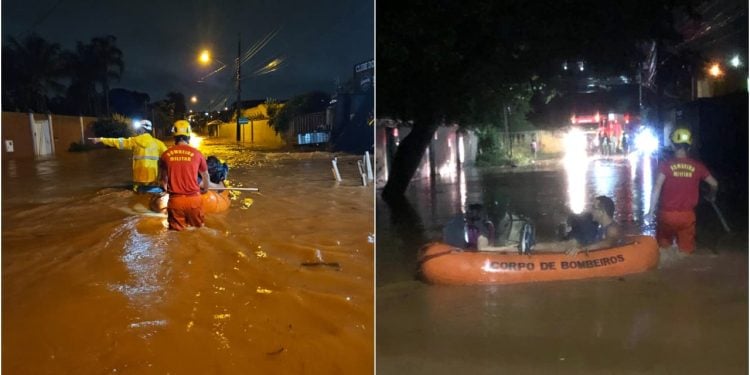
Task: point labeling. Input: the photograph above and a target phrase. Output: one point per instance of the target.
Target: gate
(41, 131)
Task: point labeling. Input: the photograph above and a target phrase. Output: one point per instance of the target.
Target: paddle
(721, 217)
(233, 188)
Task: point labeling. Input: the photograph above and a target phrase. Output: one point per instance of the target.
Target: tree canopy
(35, 70)
(458, 58)
(459, 62)
(311, 102)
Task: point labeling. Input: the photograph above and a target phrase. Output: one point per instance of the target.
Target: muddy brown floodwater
(688, 318)
(92, 283)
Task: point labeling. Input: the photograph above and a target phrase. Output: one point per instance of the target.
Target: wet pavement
(687, 318)
(92, 281)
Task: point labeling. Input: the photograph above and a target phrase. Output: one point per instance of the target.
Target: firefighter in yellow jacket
(146, 153)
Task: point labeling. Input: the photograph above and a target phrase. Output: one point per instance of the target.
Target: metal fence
(311, 128)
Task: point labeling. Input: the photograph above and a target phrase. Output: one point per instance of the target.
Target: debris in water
(318, 255)
(222, 316)
(234, 194)
(371, 238)
(189, 326)
(263, 291)
(261, 254)
(149, 323)
(335, 265)
(246, 203)
(242, 255)
(279, 351)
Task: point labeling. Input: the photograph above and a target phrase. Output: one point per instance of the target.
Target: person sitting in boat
(595, 229)
(467, 231)
(216, 199)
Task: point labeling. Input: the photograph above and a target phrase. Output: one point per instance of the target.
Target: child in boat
(467, 231)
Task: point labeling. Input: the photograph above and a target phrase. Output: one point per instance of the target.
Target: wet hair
(181, 138)
(606, 204)
(217, 171)
(474, 212)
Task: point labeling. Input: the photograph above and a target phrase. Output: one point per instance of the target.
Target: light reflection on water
(545, 193)
(576, 170)
(91, 285)
(612, 325)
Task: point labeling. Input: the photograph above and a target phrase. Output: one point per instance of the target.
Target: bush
(78, 147)
(111, 128)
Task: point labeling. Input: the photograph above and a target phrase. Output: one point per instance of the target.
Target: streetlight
(735, 61)
(205, 58)
(715, 70)
(194, 99)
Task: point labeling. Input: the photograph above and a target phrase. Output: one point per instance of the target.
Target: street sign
(244, 120)
(367, 65)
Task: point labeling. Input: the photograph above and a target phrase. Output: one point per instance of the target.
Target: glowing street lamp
(735, 61)
(194, 99)
(205, 57)
(715, 70)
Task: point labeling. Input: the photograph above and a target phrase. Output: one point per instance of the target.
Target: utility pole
(238, 85)
(640, 91)
(507, 131)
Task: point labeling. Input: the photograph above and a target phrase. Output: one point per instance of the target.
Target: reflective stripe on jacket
(146, 153)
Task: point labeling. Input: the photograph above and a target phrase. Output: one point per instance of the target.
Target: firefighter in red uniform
(178, 167)
(676, 194)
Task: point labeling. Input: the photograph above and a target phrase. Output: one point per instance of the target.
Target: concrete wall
(256, 132)
(16, 127)
(69, 129)
(441, 157)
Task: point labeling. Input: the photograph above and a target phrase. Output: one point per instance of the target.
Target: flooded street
(689, 318)
(93, 283)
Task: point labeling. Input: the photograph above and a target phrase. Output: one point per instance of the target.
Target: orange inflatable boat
(213, 202)
(444, 264)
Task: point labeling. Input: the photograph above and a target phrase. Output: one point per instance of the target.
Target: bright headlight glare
(646, 141)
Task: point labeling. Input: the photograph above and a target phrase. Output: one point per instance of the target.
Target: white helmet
(145, 124)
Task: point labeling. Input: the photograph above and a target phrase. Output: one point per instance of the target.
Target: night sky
(319, 41)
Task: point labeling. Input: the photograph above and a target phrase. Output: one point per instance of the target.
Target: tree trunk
(408, 156)
(106, 97)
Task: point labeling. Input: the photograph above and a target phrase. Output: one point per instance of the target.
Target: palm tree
(30, 73)
(178, 101)
(108, 63)
(97, 62)
(81, 68)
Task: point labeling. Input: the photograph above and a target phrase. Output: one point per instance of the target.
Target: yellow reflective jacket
(146, 153)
